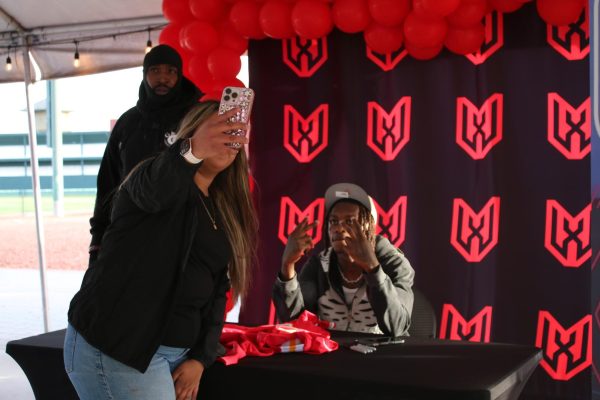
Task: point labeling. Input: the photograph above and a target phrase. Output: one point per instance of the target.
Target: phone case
(237, 97)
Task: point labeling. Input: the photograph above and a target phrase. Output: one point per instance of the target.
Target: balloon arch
(211, 35)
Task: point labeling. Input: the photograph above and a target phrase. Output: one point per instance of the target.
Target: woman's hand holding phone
(210, 138)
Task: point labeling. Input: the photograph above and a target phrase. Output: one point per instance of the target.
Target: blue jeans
(97, 376)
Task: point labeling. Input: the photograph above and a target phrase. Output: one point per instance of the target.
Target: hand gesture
(359, 249)
(299, 243)
(186, 379)
(211, 138)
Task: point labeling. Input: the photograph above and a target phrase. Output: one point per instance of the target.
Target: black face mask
(154, 100)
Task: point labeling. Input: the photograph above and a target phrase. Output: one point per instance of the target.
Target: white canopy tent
(40, 40)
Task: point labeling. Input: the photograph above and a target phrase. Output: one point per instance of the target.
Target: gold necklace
(214, 223)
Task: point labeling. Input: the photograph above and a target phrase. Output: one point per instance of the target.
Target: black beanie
(162, 54)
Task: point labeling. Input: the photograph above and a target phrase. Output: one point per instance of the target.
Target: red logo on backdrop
(303, 137)
(455, 327)
(571, 41)
(290, 216)
(475, 234)
(494, 38)
(479, 129)
(304, 56)
(566, 352)
(388, 133)
(568, 237)
(392, 223)
(388, 61)
(569, 129)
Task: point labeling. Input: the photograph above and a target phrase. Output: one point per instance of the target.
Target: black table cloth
(416, 369)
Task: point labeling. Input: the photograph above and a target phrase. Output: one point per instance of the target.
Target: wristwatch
(186, 151)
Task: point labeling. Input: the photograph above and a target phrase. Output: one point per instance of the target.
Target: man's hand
(187, 379)
(210, 137)
(299, 242)
(359, 249)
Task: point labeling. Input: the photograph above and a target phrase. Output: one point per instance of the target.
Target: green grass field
(25, 205)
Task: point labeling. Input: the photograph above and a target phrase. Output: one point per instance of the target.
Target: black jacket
(128, 292)
(139, 133)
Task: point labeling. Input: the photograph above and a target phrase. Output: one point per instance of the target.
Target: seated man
(360, 281)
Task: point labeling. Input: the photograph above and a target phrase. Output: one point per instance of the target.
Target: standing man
(360, 282)
(164, 98)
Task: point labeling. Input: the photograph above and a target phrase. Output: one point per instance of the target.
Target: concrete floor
(21, 316)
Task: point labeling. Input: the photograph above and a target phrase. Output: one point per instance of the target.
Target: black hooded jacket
(141, 132)
(128, 293)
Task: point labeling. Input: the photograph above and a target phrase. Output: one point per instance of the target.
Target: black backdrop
(481, 172)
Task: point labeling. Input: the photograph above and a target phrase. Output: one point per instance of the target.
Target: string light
(148, 43)
(8, 65)
(76, 56)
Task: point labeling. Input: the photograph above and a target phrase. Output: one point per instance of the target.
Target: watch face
(185, 147)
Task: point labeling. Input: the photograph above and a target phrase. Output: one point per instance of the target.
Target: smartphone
(241, 98)
(382, 341)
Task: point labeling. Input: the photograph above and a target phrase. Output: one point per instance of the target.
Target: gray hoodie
(383, 304)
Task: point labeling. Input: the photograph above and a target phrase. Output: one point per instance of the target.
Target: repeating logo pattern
(304, 56)
(474, 234)
(494, 38)
(479, 129)
(291, 215)
(569, 128)
(571, 41)
(455, 327)
(388, 61)
(392, 223)
(568, 237)
(566, 352)
(306, 137)
(388, 133)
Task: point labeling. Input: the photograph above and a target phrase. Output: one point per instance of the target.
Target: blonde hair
(230, 191)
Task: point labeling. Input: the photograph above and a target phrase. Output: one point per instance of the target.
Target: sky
(93, 100)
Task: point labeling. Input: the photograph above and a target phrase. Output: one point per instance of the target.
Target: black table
(417, 369)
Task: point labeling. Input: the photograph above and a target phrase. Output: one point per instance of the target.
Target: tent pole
(36, 182)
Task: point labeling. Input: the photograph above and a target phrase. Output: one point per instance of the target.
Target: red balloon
(469, 13)
(311, 19)
(199, 73)
(560, 12)
(506, 6)
(224, 63)
(177, 11)
(231, 39)
(244, 18)
(214, 95)
(465, 40)
(186, 56)
(199, 37)
(351, 16)
(422, 53)
(383, 39)
(276, 19)
(435, 8)
(207, 10)
(170, 35)
(219, 85)
(424, 32)
(389, 12)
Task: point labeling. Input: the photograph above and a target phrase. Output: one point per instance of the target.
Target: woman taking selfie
(148, 317)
